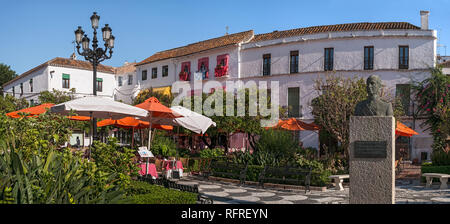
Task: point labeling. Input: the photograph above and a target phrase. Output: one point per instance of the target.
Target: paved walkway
(407, 191)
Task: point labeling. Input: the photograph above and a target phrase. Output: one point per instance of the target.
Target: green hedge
(318, 177)
(141, 192)
(429, 168)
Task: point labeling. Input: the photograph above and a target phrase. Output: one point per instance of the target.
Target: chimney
(424, 19)
(73, 56)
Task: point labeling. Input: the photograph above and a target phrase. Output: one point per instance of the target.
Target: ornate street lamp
(96, 54)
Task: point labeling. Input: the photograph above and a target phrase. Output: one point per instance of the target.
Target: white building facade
(61, 74)
(400, 53)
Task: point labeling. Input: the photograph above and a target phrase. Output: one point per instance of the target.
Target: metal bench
(443, 178)
(228, 169)
(285, 175)
(338, 179)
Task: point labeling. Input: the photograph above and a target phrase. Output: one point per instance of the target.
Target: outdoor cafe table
(151, 169)
(170, 165)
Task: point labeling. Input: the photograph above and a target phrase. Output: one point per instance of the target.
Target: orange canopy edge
(32, 111)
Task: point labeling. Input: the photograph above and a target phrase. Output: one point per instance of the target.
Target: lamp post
(96, 54)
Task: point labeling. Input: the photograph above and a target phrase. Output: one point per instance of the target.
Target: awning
(164, 90)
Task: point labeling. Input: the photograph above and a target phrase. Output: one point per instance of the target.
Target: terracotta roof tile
(127, 68)
(67, 63)
(200, 46)
(334, 28)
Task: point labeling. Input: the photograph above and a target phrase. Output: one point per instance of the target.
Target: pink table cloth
(151, 169)
(168, 165)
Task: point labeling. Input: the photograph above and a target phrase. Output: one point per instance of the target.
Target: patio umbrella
(98, 107)
(130, 122)
(79, 118)
(31, 111)
(192, 120)
(404, 130)
(294, 124)
(157, 111)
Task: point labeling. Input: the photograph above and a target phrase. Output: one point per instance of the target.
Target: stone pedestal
(372, 156)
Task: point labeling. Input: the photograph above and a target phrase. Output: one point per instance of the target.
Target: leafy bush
(440, 158)
(60, 178)
(211, 153)
(111, 158)
(183, 152)
(431, 168)
(141, 192)
(274, 147)
(320, 174)
(33, 135)
(163, 146)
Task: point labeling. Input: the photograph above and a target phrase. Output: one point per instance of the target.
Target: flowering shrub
(433, 99)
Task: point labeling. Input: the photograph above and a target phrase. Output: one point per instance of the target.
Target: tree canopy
(6, 75)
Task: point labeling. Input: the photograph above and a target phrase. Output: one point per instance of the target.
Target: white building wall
(50, 77)
(39, 84)
(175, 67)
(348, 62)
(126, 92)
(81, 80)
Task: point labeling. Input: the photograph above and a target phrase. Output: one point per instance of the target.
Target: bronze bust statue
(373, 106)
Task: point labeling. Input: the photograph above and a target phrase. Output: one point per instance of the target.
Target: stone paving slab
(407, 192)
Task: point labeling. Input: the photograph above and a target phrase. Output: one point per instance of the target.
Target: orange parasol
(130, 122)
(294, 124)
(32, 111)
(79, 118)
(156, 110)
(404, 130)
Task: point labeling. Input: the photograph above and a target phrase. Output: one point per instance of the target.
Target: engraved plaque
(370, 149)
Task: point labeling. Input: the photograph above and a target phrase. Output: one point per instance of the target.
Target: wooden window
(66, 81)
(368, 58)
(266, 64)
(294, 102)
(99, 83)
(130, 79)
(294, 62)
(21, 89)
(165, 71)
(144, 75)
(403, 92)
(120, 80)
(328, 59)
(403, 57)
(154, 73)
(14, 91)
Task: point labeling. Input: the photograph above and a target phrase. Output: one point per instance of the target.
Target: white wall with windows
(175, 66)
(51, 77)
(348, 61)
(129, 88)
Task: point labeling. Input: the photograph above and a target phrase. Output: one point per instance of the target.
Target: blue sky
(36, 31)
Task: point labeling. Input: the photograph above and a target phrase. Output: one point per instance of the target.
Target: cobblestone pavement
(407, 192)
